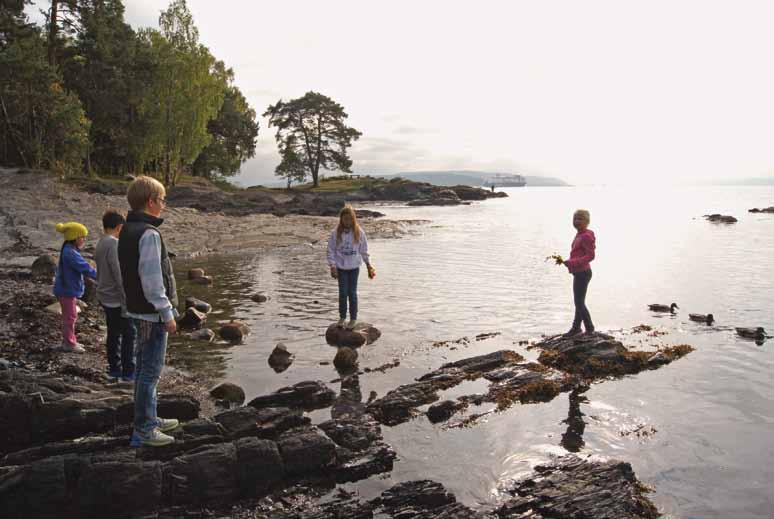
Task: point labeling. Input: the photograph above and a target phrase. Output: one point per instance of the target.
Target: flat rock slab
(308, 395)
(362, 334)
(575, 488)
(599, 355)
(400, 404)
(267, 422)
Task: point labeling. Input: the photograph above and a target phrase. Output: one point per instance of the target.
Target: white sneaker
(155, 439)
(168, 424)
(351, 324)
(341, 322)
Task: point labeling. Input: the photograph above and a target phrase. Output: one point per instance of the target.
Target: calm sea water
(709, 451)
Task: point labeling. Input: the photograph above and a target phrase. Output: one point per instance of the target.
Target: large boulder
(44, 267)
(363, 333)
(307, 395)
(720, 218)
(195, 273)
(234, 331)
(229, 392)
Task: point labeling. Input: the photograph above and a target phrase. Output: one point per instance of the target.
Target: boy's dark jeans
(580, 285)
(348, 291)
(121, 335)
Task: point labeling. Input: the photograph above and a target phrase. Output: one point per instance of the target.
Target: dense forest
(83, 93)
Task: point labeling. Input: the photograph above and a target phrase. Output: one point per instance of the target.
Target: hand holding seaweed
(558, 260)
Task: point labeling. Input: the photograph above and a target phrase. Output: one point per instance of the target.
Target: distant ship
(501, 180)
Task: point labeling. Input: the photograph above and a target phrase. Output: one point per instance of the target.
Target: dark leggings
(580, 284)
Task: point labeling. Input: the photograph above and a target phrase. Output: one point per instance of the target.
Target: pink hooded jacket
(582, 252)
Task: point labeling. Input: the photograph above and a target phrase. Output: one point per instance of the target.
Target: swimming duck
(663, 308)
(701, 318)
(752, 333)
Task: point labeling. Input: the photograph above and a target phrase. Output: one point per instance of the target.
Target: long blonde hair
(348, 210)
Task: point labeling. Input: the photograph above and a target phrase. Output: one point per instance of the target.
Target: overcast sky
(591, 92)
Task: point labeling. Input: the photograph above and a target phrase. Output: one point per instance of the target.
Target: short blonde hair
(584, 214)
(142, 190)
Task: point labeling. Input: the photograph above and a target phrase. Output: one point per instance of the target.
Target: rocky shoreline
(64, 427)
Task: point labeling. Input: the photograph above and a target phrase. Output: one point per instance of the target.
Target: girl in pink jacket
(581, 255)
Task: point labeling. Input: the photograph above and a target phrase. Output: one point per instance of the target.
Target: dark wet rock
(599, 355)
(114, 488)
(355, 434)
(769, 210)
(308, 395)
(280, 358)
(81, 446)
(234, 331)
(259, 298)
(260, 465)
(202, 306)
(400, 404)
(367, 213)
(572, 487)
(526, 383)
(199, 477)
(442, 411)
(44, 267)
(720, 218)
(363, 333)
(182, 407)
(349, 402)
(203, 427)
(228, 392)
(355, 466)
(345, 359)
(205, 334)
(267, 422)
(420, 495)
(447, 194)
(196, 273)
(305, 451)
(192, 319)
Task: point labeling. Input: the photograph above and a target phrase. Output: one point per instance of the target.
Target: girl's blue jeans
(348, 291)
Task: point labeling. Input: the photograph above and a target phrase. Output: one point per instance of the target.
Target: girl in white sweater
(347, 249)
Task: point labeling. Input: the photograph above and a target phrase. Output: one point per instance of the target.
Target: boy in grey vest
(151, 300)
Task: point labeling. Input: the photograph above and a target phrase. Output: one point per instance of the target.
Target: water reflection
(572, 438)
(480, 269)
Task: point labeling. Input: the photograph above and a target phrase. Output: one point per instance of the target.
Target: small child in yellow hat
(68, 283)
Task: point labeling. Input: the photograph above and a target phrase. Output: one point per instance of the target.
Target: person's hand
(171, 326)
(334, 273)
(371, 272)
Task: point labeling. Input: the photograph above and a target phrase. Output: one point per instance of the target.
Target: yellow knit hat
(72, 230)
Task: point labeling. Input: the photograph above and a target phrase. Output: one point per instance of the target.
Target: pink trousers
(69, 316)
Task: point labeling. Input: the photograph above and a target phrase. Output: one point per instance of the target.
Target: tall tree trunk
(52, 31)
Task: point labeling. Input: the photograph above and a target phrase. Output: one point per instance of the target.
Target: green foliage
(233, 134)
(311, 134)
(109, 69)
(187, 92)
(85, 85)
(43, 125)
